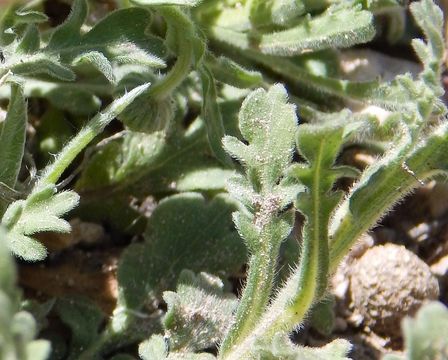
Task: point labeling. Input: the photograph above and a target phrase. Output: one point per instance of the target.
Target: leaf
(17, 328)
(24, 16)
(83, 318)
(166, 2)
(268, 123)
(426, 336)
(184, 231)
(30, 41)
(155, 349)
(230, 72)
(39, 64)
(75, 100)
(429, 17)
(282, 348)
(329, 30)
(154, 163)
(279, 12)
(99, 61)
(323, 316)
(12, 139)
(212, 116)
(199, 312)
(121, 36)
(8, 274)
(263, 223)
(39, 212)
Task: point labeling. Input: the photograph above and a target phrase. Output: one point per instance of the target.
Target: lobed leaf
(268, 123)
(40, 212)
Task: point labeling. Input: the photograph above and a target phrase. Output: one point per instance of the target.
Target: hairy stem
(385, 188)
(181, 68)
(94, 127)
(262, 266)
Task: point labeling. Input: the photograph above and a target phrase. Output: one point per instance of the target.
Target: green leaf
(329, 30)
(229, 72)
(184, 231)
(75, 100)
(30, 41)
(24, 16)
(17, 328)
(39, 64)
(155, 349)
(166, 2)
(212, 116)
(99, 61)
(199, 312)
(268, 123)
(12, 140)
(426, 336)
(8, 275)
(121, 36)
(429, 17)
(83, 318)
(39, 212)
(323, 316)
(154, 163)
(280, 12)
(282, 348)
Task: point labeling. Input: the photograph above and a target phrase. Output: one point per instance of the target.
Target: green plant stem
(283, 315)
(384, 190)
(185, 53)
(177, 74)
(262, 266)
(94, 127)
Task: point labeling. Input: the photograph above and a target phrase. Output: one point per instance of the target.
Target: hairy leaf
(121, 37)
(268, 124)
(321, 32)
(40, 212)
(282, 348)
(17, 328)
(199, 312)
(426, 335)
(212, 116)
(83, 318)
(166, 2)
(230, 72)
(185, 231)
(12, 140)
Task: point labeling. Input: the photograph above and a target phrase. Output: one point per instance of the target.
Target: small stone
(440, 267)
(420, 232)
(86, 232)
(388, 283)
